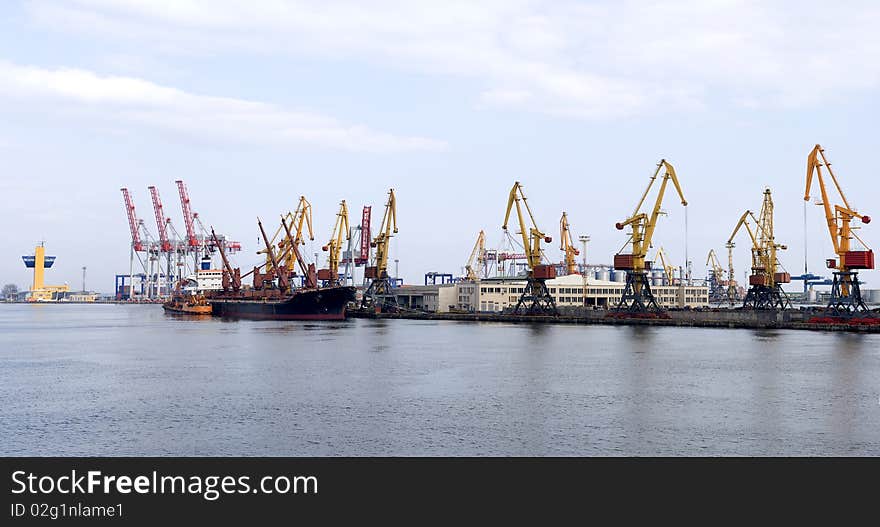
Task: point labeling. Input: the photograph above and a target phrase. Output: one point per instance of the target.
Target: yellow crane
(379, 294)
(717, 285)
(333, 248)
(566, 245)
(477, 257)
(765, 290)
(668, 269)
(296, 221)
(637, 295)
(732, 291)
(846, 296)
(535, 298)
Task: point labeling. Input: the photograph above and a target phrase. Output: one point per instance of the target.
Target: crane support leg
(536, 299)
(380, 296)
(637, 296)
(846, 296)
(766, 297)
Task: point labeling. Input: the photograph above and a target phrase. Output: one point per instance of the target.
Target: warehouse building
(496, 294)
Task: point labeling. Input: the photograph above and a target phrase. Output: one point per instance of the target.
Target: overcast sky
(254, 103)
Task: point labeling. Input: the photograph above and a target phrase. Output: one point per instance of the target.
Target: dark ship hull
(326, 303)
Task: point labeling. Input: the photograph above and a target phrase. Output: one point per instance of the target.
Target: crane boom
(477, 256)
(668, 269)
(160, 219)
(292, 246)
(136, 242)
(334, 246)
(566, 245)
(283, 282)
(191, 236)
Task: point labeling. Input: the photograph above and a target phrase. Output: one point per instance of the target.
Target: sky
(254, 103)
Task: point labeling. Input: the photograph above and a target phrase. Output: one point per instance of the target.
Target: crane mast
(566, 245)
(846, 296)
(379, 294)
(478, 255)
(339, 234)
(732, 291)
(535, 298)
(637, 295)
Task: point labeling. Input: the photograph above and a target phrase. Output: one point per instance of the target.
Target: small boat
(188, 305)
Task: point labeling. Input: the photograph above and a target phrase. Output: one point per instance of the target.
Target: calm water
(129, 380)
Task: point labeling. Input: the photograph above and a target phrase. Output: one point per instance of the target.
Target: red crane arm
(132, 221)
(192, 239)
(160, 219)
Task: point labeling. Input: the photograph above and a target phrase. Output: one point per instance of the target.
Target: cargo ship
(273, 295)
(325, 303)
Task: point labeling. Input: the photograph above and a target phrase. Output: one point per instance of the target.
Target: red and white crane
(192, 239)
(161, 220)
(136, 242)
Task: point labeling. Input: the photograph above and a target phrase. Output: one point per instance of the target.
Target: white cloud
(591, 60)
(138, 101)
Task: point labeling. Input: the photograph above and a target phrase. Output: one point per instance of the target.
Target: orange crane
(566, 245)
(846, 297)
(535, 298)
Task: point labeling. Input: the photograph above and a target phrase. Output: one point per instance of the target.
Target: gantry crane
(477, 258)
(718, 287)
(637, 295)
(765, 290)
(846, 296)
(379, 294)
(668, 269)
(535, 298)
(340, 233)
(566, 245)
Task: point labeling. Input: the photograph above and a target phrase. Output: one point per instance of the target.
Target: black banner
(232, 490)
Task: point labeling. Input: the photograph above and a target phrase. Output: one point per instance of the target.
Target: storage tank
(872, 296)
(603, 275)
(619, 276)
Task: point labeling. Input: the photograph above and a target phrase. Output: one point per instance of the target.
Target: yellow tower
(40, 292)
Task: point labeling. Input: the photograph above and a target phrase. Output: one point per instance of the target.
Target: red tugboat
(272, 296)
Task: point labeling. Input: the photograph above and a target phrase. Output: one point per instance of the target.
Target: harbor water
(130, 380)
